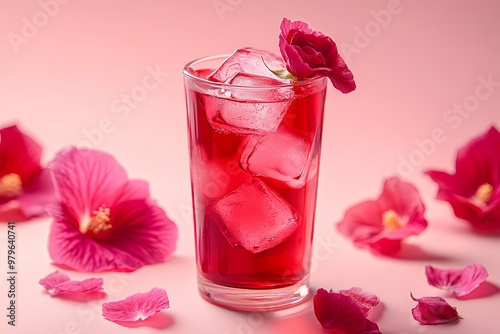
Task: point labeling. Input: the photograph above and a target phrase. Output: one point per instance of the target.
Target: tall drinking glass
(254, 157)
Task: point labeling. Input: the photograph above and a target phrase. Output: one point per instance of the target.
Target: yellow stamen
(98, 221)
(483, 193)
(10, 185)
(391, 220)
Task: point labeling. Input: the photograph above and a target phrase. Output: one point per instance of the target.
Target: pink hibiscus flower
(344, 313)
(474, 190)
(25, 187)
(382, 224)
(309, 53)
(103, 220)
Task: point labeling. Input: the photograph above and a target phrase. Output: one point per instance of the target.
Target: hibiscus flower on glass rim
(103, 220)
(473, 191)
(382, 224)
(25, 187)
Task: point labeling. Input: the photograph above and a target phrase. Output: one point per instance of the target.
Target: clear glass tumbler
(254, 158)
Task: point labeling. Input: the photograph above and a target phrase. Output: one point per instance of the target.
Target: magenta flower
(309, 53)
(25, 187)
(341, 314)
(433, 311)
(459, 282)
(474, 190)
(59, 283)
(139, 306)
(382, 224)
(103, 220)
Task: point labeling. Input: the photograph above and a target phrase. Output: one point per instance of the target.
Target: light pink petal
(365, 299)
(52, 280)
(459, 282)
(433, 311)
(139, 306)
(142, 234)
(74, 287)
(339, 313)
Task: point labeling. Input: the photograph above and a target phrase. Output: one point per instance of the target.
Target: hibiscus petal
(19, 154)
(37, 195)
(139, 306)
(73, 287)
(365, 299)
(339, 313)
(433, 311)
(59, 283)
(459, 282)
(50, 281)
(87, 179)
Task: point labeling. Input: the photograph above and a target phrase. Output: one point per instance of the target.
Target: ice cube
(255, 217)
(248, 60)
(249, 111)
(284, 156)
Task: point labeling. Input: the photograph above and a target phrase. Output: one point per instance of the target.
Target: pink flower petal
(72, 287)
(59, 283)
(139, 306)
(459, 282)
(364, 223)
(103, 221)
(433, 311)
(20, 154)
(341, 314)
(365, 299)
(50, 281)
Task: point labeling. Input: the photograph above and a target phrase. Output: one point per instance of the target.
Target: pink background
(62, 81)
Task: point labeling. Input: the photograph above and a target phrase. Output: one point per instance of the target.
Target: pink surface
(109, 75)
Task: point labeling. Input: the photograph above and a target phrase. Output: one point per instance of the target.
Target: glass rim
(188, 74)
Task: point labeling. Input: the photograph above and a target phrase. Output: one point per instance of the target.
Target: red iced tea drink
(254, 152)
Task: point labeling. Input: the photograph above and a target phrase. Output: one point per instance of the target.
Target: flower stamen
(483, 193)
(10, 185)
(98, 222)
(391, 220)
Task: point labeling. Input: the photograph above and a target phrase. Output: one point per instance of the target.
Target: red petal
(459, 282)
(433, 311)
(341, 314)
(139, 306)
(19, 154)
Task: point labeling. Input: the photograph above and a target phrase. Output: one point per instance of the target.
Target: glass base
(254, 299)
